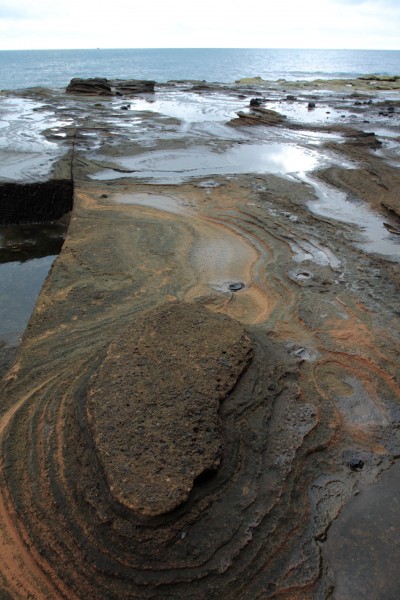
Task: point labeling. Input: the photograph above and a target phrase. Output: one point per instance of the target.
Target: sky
(48, 24)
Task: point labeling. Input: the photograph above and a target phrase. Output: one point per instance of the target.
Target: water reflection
(180, 165)
(20, 243)
(335, 204)
(190, 107)
(26, 255)
(20, 284)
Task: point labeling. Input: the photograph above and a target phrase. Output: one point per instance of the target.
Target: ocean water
(55, 68)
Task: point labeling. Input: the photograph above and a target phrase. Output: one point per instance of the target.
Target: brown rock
(134, 86)
(153, 404)
(95, 86)
(362, 138)
(258, 116)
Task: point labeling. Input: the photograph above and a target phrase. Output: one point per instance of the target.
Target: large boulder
(95, 86)
(100, 86)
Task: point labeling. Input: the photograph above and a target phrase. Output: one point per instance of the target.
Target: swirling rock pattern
(246, 407)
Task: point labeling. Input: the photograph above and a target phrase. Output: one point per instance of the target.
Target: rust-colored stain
(209, 374)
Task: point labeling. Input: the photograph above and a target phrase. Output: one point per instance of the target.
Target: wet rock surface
(296, 372)
(258, 115)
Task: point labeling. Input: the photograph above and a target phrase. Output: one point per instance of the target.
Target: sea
(55, 68)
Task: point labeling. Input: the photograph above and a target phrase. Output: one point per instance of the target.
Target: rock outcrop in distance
(100, 86)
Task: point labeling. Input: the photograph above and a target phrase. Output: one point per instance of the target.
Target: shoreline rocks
(100, 86)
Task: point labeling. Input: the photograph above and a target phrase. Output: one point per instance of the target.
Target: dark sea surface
(55, 68)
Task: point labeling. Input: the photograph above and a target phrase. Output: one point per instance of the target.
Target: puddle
(301, 352)
(386, 132)
(21, 243)
(335, 205)
(177, 166)
(190, 107)
(26, 255)
(297, 111)
(315, 252)
(208, 184)
(314, 138)
(158, 201)
(20, 284)
(363, 548)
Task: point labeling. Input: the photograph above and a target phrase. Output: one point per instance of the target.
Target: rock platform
(207, 361)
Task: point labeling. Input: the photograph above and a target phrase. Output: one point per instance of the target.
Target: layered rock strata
(209, 376)
(94, 86)
(99, 86)
(258, 116)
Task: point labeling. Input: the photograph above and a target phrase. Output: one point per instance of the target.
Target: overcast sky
(34, 24)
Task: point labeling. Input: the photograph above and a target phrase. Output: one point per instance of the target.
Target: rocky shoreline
(210, 375)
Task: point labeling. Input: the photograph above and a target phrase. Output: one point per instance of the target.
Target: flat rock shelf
(209, 379)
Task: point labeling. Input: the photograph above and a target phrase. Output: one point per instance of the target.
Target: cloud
(351, 1)
(201, 23)
(24, 9)
(10, 11)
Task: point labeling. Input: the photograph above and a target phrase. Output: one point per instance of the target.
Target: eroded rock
(94, 86)
(153, 403)
(133, 86)
(258, 116)
(100, 86)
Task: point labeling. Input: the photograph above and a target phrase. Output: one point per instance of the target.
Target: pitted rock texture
(320, 394)
(153, 403)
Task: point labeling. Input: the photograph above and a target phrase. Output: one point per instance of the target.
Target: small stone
(303, 275)
(356, 464)
(311, 105)
(236, 287)
(256, 102)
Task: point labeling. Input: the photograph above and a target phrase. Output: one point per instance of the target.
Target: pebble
(236, 287)
(356, 464)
